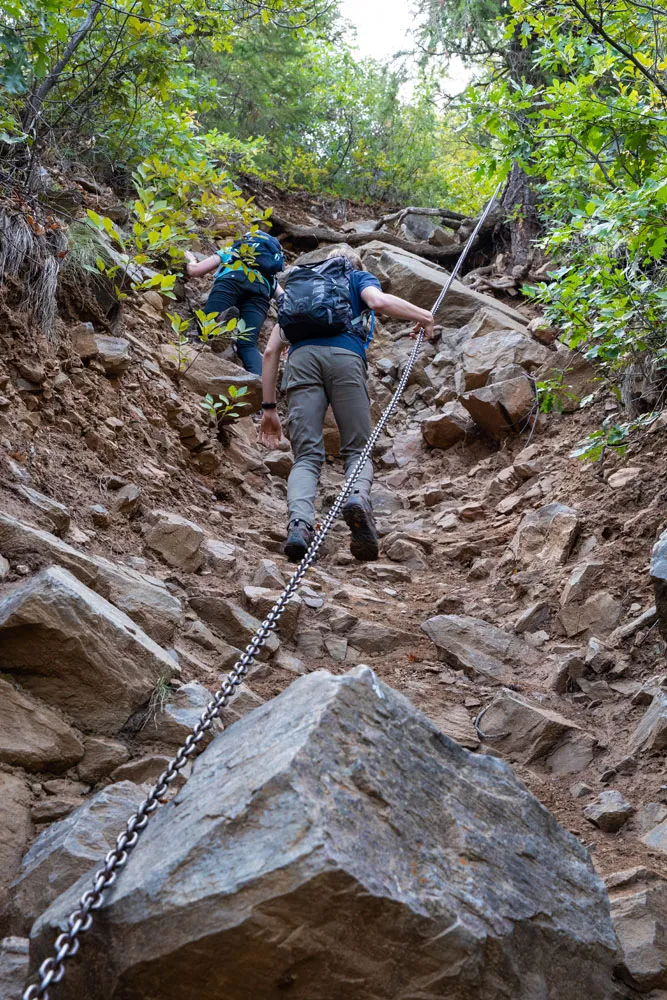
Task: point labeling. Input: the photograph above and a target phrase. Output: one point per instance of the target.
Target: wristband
(269, 406)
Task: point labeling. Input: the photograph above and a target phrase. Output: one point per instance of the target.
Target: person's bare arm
(270, 429)
(392, 305)
(196, 268)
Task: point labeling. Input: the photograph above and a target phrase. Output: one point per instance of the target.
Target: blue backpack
(259, 252)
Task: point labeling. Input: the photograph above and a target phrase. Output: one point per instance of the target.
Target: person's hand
(189, 256)
(270, 430)
(427, 325)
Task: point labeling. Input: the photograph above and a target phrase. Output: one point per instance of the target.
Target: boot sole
(364, 541)
(295, 552)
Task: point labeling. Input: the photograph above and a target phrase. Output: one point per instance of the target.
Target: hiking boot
(300, 535)
(221, 342)
(358, 516)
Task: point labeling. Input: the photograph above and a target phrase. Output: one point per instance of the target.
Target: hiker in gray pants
(327, 366)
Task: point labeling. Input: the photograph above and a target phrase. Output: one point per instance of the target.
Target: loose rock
(69, 849)
(447, 428)
(502, 408)
(56, 514)
(144, 598)
(610, 811)
(14, 962)
(659, 580)
(210, 373)
(176, 539)
(478, 648)
(172, 719)
(76, 651)
(16, 827)
(317, 772)
(528, 733)
(234, 623)
(33, 736)
(545, 537)
(651, 733)
(639, 912)
(101, 756)
(503, 347)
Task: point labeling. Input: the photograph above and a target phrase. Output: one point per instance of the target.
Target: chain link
(52, 970)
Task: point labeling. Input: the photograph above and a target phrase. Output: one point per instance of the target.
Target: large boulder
(34, 736)
(481, 355)
(68, 849)
(334, 843)
(205, 372)
(502, 408)
(78, 652)
(478, 648)
(421, 282)
(16, 827)
(144, 598)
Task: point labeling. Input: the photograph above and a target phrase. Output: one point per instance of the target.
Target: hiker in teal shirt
(243, 292)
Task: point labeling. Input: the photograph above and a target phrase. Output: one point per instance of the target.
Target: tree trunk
(520, 204)
(520, 199)
(40, 92)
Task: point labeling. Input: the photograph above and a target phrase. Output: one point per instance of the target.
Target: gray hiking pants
(316, 377)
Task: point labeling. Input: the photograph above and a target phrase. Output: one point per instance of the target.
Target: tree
(477, 31)
(116, 78)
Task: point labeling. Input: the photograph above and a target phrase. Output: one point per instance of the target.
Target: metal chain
(52, 970)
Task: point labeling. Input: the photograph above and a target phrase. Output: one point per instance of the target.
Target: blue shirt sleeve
(358, 281)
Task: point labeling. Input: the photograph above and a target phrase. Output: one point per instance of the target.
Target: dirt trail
(447, 518)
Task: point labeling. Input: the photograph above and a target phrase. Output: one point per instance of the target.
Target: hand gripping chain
(67, 944)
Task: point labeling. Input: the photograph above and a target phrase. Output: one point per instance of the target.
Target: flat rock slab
(334, 841)
(78, 652)
(413, 278)
(144, 598)
(32, 735)
(68, 849)
(478, 648)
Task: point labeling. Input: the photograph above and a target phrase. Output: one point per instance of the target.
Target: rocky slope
(512, 603)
